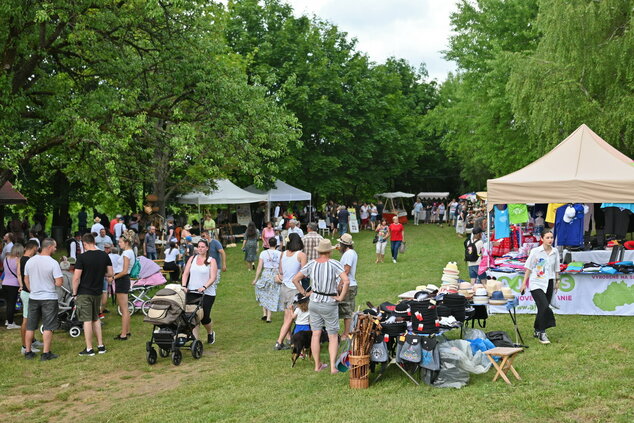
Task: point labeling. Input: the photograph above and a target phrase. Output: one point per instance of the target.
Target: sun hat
(465, 285)
(480, 300)
(481, 292)
(497, 298)
(452, 266)
(508, 294)
(299, 298)
(325, 246)
(431, 287)
(97, 219)
(346, 239)
(478, 285)
(569, 214)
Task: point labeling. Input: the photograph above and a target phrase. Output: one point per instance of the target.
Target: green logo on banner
(566, 283)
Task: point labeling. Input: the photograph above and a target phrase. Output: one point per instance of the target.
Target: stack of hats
(480, 297)
(497, 298)
(508, 294)
(457, 304)
(466, 290)
(492, 286)
(450, 276)
(424, 317)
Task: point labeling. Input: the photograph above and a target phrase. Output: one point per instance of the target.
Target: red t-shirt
(396, 232)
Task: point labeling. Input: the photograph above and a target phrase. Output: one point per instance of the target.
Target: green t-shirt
(518, 213)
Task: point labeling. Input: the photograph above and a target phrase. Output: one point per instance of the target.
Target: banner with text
(589, 294)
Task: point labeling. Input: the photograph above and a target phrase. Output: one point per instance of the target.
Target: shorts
(346, 307)
(324, 314)
(105, 285)
(380, 247)
(88, 307)
(300, 328)
(45, 310)
(24, 296)
(122, 285)
(287, 296)
(473, 272)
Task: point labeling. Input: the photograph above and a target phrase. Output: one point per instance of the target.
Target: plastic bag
(474, 334)
(457, 361)
(402, 248)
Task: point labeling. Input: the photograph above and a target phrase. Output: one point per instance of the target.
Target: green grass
(584, 375)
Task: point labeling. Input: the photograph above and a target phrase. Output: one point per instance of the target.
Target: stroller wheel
(145, 307)
(177, 357)
(197, 349)
(151, 356)
(131, 308)
(75, 331)
(163, 353)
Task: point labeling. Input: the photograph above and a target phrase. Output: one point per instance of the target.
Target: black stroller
(174, 322)
(67, 312)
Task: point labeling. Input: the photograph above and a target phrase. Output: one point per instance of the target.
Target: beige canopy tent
(583, 168)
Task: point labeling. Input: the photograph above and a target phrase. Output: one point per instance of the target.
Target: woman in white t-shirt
(172, 254)
(267, 289)
(122, 284)
(201, 274)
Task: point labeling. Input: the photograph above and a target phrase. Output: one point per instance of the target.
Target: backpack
(136, 268)
(470, 250)
(500, 339)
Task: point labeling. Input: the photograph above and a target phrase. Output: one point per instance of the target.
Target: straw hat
(481, 292)
(431, 287)
(465, 285)
(346, 239)
(325, 246)
(508, 294)
(452, 266)
(97, 219)
(480, 300)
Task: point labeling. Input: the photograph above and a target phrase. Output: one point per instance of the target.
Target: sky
(415, 30)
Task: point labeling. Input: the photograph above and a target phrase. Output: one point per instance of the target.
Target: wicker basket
(359, 371)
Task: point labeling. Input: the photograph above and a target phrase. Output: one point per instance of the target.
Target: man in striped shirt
(326, 293)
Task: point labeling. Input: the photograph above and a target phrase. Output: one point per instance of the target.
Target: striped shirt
(311, 241)
(323, 278)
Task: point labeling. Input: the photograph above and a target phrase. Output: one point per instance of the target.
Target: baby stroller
(67, 314)
(174, 322)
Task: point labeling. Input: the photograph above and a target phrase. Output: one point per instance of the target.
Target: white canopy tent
(433, 195)
(282, 192)
(395, 209)
(225, 193)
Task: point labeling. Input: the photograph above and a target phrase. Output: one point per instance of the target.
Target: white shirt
(543, 267)
(6, 250)
(42, 272)
(119, 228)
(117, 262)
(301, 317)
(131, 259)
(296, 230)
(276, 213)
(290, 266)
(96, 228)
(73, 249)
(350, 258)
(199, 276)
(171, 255)
(270, 259)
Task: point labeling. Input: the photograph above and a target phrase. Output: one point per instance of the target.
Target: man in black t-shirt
(90, 269)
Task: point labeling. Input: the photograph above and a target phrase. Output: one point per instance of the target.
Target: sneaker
(535, 334)
(87, 353)
(13, 326)
(29, 355)
(281, 346)
(33, 349)
(36, 344)
(101, 315)
(543, 338)
(48, 356)
(102, 349)
(211, 338)
(393, 260)
(6, 322)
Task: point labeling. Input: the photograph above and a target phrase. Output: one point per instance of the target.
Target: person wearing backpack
(472, 253)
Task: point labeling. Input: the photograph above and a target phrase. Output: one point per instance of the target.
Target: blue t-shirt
(501, 223)
(569, 233)
(214, 251)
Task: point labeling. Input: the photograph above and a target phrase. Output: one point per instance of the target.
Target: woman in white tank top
(201, 275)
(292, 260)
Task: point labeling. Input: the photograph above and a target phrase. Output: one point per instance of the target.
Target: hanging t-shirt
(550, 212)
(569, 233)
(501, 223)
(518, 213)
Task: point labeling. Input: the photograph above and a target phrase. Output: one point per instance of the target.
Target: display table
(579, 293)
(599, 256)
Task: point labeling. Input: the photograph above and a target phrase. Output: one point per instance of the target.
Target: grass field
(585, 375)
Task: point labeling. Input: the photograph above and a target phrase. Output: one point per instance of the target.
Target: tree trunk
(61, 194)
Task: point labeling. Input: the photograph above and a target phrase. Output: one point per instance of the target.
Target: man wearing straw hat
(324, 296)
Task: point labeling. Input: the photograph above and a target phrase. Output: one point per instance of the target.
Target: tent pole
(488, 227)
(310, 210)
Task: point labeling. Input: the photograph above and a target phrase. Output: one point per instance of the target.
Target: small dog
(300, 343)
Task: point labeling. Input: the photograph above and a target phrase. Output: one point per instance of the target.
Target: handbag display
(378, 353)
(411, 349)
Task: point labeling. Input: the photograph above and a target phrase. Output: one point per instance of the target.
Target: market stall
(433, 195)
(282, 193)
(394, 205)
(581, 169)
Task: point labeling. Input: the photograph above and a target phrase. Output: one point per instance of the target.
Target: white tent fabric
(433, 195)
(282, 192)
(583, 168)
(225, 193)
(397, 194)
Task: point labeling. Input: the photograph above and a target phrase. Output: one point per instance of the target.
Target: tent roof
(9, 195)
(397, 194)
(282, 192)
(225, 193)
(582, 168)
(433, 195)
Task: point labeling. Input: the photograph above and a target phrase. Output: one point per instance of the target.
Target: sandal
(120, 338)
(322, 367)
